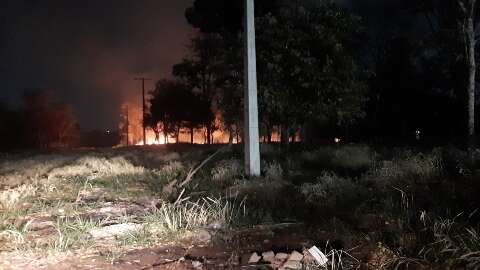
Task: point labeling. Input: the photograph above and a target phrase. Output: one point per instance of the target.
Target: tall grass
(11, 198)
(188, 215)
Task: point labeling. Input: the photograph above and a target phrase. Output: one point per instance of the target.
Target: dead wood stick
(193, 171)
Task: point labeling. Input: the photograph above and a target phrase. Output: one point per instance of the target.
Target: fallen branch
(194, 170)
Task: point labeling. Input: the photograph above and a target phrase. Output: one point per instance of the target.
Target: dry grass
(188, 215)
(347, 179)
(227, 170)
(11, 198)
(409, 168)
(97, 166)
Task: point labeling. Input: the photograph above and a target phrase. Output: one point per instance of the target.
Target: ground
(191, 207)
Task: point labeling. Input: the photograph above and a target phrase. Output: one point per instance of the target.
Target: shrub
(227, 170)
(174, 170)
(346, 159)
(409, 168)
(188, 215)
(273, 171)
(458, 162)
(352, 157)
(331, 191)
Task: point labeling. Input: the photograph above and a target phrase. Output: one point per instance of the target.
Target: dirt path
(227, 250)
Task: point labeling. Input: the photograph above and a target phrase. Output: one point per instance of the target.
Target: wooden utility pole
(251, 142)
(143, 79)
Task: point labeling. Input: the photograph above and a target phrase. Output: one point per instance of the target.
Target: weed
(11, 198)
(331, 191)
(173, 218)
(227, 170)
(139, 238)
(273, 171)
(71, 233)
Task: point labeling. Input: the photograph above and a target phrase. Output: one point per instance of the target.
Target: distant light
(338, 140)
(108, 131)
(418, 132)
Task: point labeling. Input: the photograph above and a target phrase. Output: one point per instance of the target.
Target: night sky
(88, 52)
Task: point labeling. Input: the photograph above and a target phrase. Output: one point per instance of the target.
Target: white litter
(318, 255)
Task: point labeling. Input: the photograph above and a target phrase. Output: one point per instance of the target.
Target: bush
(407, 169)
(332, 191)
(273, 171)
(458, 162)
(354, 158)
(227, 170)
(174, 170)
(351, 159)
(189, 215)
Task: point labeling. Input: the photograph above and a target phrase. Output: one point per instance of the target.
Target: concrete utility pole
(251, 143)
(143, 79)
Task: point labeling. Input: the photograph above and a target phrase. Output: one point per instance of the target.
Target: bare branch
(192, 171)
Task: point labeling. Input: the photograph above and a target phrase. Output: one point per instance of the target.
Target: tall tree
(308, 72)
(48, 123)
(175, 106)
(468, 10)
(460, 19)
(203, 72)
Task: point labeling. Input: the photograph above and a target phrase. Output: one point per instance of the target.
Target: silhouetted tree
(175, 106)
(10, 128)
(203, 72)
(48, 123)
(306, 67)
(458, 21)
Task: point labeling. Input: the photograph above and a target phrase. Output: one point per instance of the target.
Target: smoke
(88, 52)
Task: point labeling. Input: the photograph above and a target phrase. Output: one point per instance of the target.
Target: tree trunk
(230, 135)
(165, 136)
(470, 46)
(177, 136)
(191, 135)
(285, 136)
(209, 134)
(269, 134)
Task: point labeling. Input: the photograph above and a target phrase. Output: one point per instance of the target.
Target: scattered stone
(281, 257)
(90, 195)
(292, 265)
(116, 230)
(254, 258)
(268, 256)
(198, 236)
(112, 211)
(39, 225)
(197, 264)
(295, 256)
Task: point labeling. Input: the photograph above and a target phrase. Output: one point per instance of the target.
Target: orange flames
(131, 130)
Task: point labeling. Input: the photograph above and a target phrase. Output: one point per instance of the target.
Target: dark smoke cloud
(88, 52)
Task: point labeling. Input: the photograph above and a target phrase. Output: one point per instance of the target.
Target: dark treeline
(42, 122)
(376, 71)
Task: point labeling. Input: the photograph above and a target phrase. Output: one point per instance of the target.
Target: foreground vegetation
(400, 208)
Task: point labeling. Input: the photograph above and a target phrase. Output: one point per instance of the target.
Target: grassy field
(386, 207)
